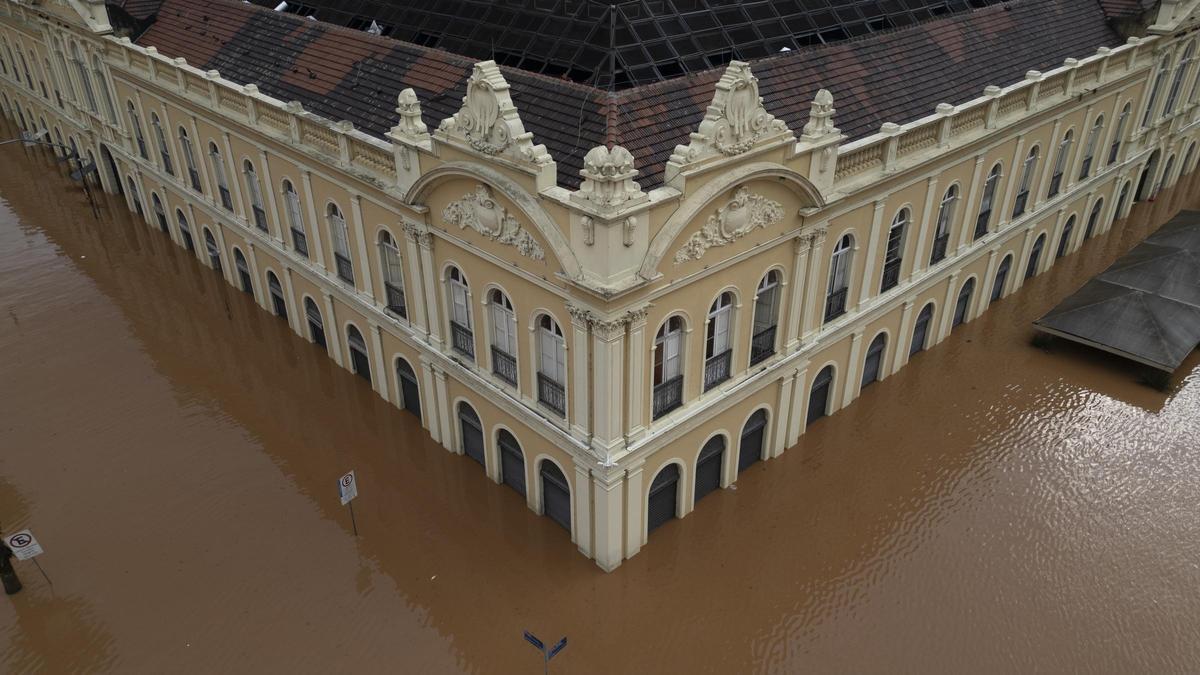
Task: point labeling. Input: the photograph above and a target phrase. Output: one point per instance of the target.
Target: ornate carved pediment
(608, 179)
(736, 120)
(743, 214)
(480, 212)
(488, 121)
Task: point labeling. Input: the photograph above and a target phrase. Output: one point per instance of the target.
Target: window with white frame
(552, 365)
(504, 336)
(668, 367)
(945, 218)
(393, 275)
(1089, 151)
(1119, 133)
(105, 93)
(1027, 171)
(254, 189)
(717, 340)
(85, 80)
(53, 76)
(218, 167)
(461, 337)
(983, 220)
(163, 150)
(839, 278)
(189, 158)
(1060, 162)
(341, 243)
(1177, 82)
(1159, 78)
(135, 124)
(893, 256)
(766, 316)
(291, 204)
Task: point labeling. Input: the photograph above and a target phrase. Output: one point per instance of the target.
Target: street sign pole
(547, 653)
(348, 490)
(353, 523)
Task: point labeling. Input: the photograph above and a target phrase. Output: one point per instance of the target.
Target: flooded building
(619, 254)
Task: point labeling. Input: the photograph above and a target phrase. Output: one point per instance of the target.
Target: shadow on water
(991, 507)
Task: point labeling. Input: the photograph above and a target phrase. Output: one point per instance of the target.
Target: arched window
(873, 363)
(1145, 188)
(552, 365)
(1177, 82)
(1060, 162)
(1118, 135)
(708, 467)
(160, 213)
(214, 251)
(163, 151)
(341, 243)
(1089, 151)
(105, 93)
(461, 337)
(1093, 219)
(963, 307)
(61, 62)
(50, 73)
(766, 317)
(316, 327)
(504, 336)
(134, 196)
(718, 339)
(1122, 201)
(985, 204)
(185, 232)
(1165, 181)
(512, 461)
(1035, 255)
(85, 80)
(820, 394)
(668, 367)
(839, 278)
(893, 255)
(291, 204)
(278, 299)
(25, 68)
(1001, 278)
(189, 158)
(752, 440)
(662, 503)
(945, 218)
(245, 280)
(410, 392)
(254, 189)
(135, 125)
(393, 275)
(1186, 167)
(1159, 78)
(920, 338)
(1064, 242)
(360, 362)
(471, 430)
(218, 167)
(1027, 170)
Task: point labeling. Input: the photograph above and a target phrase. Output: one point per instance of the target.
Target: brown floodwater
(992, 507)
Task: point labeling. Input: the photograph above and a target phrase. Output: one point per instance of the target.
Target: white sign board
(23, 545)
(347, 488)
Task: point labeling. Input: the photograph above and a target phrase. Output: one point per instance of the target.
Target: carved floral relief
(480, 212)
(743, 214)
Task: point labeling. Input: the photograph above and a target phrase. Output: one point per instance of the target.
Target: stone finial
(608, 179)
(944, 109)
(408, 107)
(820, 116)
(488, 121)
(991, 90)
(1033, 75)
(736, 121)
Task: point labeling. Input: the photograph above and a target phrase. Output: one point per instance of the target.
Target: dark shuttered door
(408, 388)
(512, 463)
(921, 330)
(664, 493)
(556, 495)
(472, 433)
(818, 401)
(751, 447)
(874, 360)
(708, 466)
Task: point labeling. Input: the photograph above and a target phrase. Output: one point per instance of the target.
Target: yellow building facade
(613, 353)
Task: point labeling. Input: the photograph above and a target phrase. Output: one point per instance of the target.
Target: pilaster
(317, 247)
(801, 247)
(799, 416)
(920, 256)
(634, 509)
(383, 381)
(608, 350)
(581, 320)
(985, 288)
(947, 307)
(269, 191)
(416, 278)
(446, 414)
(968, 220)
(295, 315)
(333, 331)
(814, 307)
(608, 505)
(583, 508)
(903, 339)
(364, 260)
(783, 414)
(850, 390)
(636, 375)
(1011, 185)
(431, 411)
(868, 287)
(258, 287)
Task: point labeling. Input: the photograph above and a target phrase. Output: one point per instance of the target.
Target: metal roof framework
(627, 43)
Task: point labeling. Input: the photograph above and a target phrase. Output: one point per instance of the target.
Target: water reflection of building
(471, 239)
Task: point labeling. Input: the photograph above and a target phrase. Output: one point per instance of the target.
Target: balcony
(552, 394)
(194, 178)
(716, 369)
(345, 270)
(667, 396)
(226, 198)
(300, 242)
(462, 340)
(891, 275)
(762, 345)
(260, 220)
(835, 304)
(939, 248)
(504, 365)
(395, 300)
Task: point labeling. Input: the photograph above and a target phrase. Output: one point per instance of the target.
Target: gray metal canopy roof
(1146, 306)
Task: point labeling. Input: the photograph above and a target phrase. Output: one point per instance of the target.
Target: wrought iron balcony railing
(552, 394)
(462, 340)
(835, 304)
(668, 396)
(504, 365)
(762, 345)
(716, 369)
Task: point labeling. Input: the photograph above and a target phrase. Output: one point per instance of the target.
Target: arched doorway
(472, 433)
(708, 466)
(160, 214)
(1064, 241)
(873, 364)
(185, 232)
(278, 300)
(1094, 218)
(135, 198)
(243, 270)
(1121, 202)
(359, 361)
(920, 336)
(1035, 256)
(963, 306)
(1165, 181)
(214, 251)
(750, 446)
(818, 398)
(512, 462)
(556, 494)
(1145, 183)
(1001, 278)
(111, 173)
(316, 327)
(410, 393)
(664, 497)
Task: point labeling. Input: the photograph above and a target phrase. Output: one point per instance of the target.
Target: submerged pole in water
(12, 583)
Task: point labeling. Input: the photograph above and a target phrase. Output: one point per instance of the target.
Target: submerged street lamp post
(547, 652)
(71, 156)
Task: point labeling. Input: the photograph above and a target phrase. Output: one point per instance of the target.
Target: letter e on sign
(23, 545)
(347, 488)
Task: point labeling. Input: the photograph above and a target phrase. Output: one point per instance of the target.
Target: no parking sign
(347, 488)
(24, 546)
